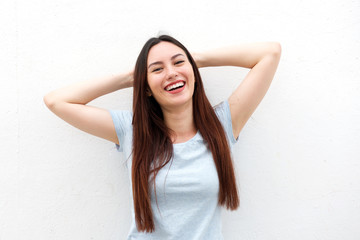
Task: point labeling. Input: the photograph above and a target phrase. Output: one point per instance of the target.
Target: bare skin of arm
(262, 59)
(69, 103)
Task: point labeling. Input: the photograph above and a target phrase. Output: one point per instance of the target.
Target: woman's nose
(171, 72)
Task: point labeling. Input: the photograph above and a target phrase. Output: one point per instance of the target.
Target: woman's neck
(181, 121)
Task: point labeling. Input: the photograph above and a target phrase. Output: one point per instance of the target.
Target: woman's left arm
(262, 59)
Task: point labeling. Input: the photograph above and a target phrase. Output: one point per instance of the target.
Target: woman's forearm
(84, 92)
(244, 55)
(69, 103)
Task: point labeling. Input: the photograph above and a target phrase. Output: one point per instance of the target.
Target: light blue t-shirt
(187, 188)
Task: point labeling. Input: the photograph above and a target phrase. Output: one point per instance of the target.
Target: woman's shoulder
(121, 117)
(125, 113)
(223, 113)
(222, 109)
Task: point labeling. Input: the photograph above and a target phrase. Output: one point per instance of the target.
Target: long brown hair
(152, 146)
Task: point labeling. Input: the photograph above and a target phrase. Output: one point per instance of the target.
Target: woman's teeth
(176, 85)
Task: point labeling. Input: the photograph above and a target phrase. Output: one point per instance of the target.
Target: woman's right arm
(69, 104)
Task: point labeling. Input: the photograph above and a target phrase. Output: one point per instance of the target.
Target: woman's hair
(152, 145)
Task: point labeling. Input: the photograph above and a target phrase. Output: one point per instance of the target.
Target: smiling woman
(166, 118)
(177, 145)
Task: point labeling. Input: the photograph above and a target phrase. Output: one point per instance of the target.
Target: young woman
(176, 144)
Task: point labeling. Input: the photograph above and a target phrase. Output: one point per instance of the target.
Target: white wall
(298, 157)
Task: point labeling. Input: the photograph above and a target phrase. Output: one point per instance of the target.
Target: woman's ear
(148, 92)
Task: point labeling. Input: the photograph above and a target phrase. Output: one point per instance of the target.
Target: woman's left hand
(198, 59)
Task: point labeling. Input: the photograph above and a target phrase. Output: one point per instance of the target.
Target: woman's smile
(175, 87)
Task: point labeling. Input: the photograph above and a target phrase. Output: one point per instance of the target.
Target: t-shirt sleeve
(122, 121)
(222, 110)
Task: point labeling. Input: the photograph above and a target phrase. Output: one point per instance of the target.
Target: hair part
(152, 146)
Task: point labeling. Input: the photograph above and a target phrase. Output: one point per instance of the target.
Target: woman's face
(170, 75)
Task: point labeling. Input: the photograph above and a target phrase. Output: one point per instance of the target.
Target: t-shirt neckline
(188, 141)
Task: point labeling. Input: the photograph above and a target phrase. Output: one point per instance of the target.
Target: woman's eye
(178, 62)
(156, 69)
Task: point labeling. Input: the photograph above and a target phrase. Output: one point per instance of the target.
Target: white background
(298, 157)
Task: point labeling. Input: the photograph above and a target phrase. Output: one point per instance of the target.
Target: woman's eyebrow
(158, 62)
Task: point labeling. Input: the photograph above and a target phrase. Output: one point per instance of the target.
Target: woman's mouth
(175, 87)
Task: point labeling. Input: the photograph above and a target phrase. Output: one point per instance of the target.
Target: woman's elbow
(276, 49)
(49, 101)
